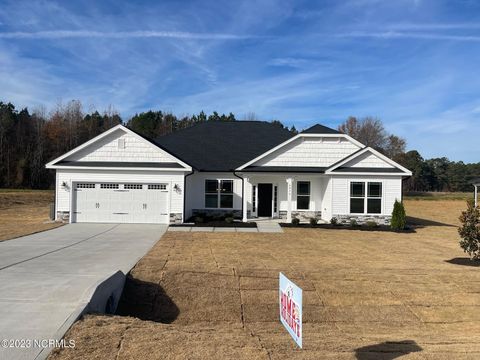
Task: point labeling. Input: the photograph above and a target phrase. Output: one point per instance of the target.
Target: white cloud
(63, 34)
(408, 35)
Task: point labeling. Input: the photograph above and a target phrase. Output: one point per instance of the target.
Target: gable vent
(121, 143)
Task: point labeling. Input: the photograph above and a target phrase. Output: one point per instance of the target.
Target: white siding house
(120, 176)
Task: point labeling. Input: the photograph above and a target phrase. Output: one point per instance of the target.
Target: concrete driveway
(46, 279)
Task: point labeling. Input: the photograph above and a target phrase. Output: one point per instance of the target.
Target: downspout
(243, 188)
(185, 193)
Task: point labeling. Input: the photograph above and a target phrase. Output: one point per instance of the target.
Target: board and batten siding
(134, 150)
(310, 152)
(368, 160)
(195, 196)
(340, 194)
(151, 177)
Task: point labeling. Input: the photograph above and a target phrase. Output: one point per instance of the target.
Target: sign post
(290, 299)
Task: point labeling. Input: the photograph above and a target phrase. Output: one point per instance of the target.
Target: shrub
(470, 230)
(313, 221)
(371, 224)
(334, 221)
(399, 218)
(295, 221)
(353, 222)
(229, 219)
(199, 220)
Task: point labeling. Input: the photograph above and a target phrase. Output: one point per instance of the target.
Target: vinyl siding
(310, 152)
(391, 190)
(368, 160)
(136, 150)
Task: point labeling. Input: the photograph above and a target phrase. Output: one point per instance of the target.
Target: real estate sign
(291, 308)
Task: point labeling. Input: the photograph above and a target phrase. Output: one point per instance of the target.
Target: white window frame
(366, 196)
(309, 194)
(219, 194)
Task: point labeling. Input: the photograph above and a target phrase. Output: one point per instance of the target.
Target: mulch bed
(222, 224)
(384, 228)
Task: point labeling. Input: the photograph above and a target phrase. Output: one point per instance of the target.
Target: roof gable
(223, 145)
(115, 147)
(367, 160)
(320, 129)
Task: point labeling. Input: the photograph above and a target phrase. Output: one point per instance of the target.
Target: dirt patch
(367, 295)
(24, 212)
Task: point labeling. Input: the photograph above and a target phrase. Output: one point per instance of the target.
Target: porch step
(269, 227)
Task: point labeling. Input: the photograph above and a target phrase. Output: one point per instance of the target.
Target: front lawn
(367, 295)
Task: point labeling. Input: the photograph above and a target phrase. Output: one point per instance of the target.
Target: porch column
(244, 199)
(289, 199)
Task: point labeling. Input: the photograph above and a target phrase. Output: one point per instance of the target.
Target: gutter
(243, 188)
(185, 193)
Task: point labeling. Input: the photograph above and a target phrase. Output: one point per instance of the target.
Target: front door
(265, 200)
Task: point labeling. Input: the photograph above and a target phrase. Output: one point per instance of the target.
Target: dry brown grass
(367, 295)
(24, 212)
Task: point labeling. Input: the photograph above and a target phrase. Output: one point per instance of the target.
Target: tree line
(28, 140)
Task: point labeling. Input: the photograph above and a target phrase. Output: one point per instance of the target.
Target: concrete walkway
(263, 226)
(47, 279)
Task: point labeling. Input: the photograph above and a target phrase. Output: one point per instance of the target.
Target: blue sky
(415, 64)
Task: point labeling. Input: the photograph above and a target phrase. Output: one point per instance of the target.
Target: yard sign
(291, 308)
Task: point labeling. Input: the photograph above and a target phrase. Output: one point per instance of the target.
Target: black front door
(265, 200)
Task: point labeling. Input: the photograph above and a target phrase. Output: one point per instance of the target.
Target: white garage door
(120, 203)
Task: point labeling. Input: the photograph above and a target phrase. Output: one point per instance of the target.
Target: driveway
(45, 277)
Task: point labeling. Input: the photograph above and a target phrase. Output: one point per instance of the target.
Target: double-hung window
(219, 194)
(303, 195)
(365, 197)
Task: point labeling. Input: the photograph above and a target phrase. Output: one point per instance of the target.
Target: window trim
(218, 193)
(304, 195)
(366, 196)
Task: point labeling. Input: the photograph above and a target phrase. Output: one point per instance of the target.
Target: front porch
(282, 197)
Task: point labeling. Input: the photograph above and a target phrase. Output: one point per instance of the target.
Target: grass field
(24, 212)
(438, 195)
(367, 295)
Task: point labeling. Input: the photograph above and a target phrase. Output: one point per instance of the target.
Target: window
(303, 195)
(85, 186)
(219, 194)
(374, 199)
(133, 186)
(157, 187)
(108, 186)
(370, 200)
(254, 198)
(357, 197)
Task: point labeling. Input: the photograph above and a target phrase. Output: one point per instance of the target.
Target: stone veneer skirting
(63, 216)
(362, 219)
(302, 215)
(176, 218)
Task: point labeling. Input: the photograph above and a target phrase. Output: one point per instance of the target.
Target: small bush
(229, 219)
(334, 221)
(399, 217)
(353, 222)
(295, 221)
(313, 221)
(470, 230)
(371, 224)
(199, 220)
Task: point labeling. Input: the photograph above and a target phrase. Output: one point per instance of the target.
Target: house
(249, 168)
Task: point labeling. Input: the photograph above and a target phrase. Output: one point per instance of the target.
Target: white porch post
(244, 198)
(289, 199)
(476, 195)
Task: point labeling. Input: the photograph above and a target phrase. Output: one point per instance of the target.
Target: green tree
(470, 230)
(399, 217)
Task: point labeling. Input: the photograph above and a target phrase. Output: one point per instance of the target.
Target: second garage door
(112, 202)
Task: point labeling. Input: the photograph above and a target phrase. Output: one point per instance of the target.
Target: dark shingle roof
(128, 164)
(320, 129)
(223, 146)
